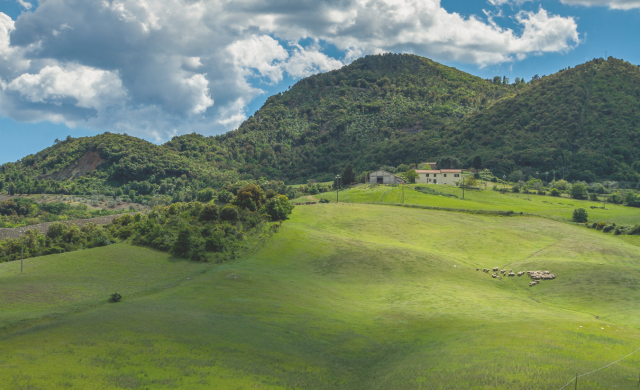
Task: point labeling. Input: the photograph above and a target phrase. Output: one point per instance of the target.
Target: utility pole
(337, 188)
(402, 192)
(462, 185)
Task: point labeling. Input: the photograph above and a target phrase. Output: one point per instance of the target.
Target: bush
(323, 200)
(593, 197)
(278, 208)
(579, 191)
(115, 298)
(580, 215)
(615, 198)
(205, 195)
(608, 228)
(229, 213)
(224, 196)
(554, 192)
(542, 192)
(515, 189)
(494, 179)
(601, 225)
(210, 212)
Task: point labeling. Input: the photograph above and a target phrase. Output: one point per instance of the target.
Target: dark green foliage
(225, 196)
(448, 162)
(229, 213)
(323, 200)
(411, 175)
(608, 229)
(477, 162)
(593, 196)
(515, 189)
(183, 243)
(348, 175)
(250, 197)
(210, 212)
(580, 215)
(615, 198)
(278, 208)
(579, 191)
(554, 192)
(115, 298)
(206, 195)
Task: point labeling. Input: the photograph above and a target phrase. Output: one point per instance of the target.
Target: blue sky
(66, 69)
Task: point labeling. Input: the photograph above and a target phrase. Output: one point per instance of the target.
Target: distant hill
(379, 110)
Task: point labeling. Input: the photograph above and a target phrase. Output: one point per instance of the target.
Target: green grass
(348, 296)
(558, 208)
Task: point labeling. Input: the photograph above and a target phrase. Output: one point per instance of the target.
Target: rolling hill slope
(385, 110)
(345, 297)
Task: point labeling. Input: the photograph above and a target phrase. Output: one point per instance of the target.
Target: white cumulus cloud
(164, 67)
(613, 4)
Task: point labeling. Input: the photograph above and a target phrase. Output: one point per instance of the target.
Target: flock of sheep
(535, 275)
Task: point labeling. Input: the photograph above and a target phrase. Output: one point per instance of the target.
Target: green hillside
(383, 110)
(343, 297)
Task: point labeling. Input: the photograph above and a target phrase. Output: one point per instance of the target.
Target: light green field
(348, 296)
(558, 208)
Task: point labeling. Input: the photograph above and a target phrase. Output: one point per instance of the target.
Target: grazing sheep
(477, 269)
(520, 273)
(494, 276)
(495, 269)
(512, 274)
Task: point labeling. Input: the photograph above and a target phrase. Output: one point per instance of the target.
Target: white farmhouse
(441, 176)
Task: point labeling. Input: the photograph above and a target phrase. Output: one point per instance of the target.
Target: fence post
(576, 382)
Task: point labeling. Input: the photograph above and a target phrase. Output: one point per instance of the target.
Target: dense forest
(382, 110)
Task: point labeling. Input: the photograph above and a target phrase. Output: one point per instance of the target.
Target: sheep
(520, 273)
(512, 274)
(495, 269)
(477, 269)
(494, 276)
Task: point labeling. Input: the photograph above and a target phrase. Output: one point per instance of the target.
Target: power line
(598, 369)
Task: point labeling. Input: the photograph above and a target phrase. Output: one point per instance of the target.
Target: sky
(159, 68)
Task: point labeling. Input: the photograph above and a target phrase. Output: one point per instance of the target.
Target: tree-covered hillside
(382, 110)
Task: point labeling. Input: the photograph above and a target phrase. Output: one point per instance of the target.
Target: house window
(445, 175)
(456, 175)
(426, 175)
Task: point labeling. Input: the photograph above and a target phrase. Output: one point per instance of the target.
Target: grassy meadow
(344, 296)
(558, 208)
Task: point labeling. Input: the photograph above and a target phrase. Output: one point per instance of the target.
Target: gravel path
(42, 227)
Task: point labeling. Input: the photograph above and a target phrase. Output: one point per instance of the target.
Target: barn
(384, 177)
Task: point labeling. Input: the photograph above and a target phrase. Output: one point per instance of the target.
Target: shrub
(615, 198)
(278, 208)
(205, 195)
(115, 297)
(229, 213)
(210, 212)
(515, 189)
(225, 196)
(593, 196)
(579, 191)
(580, 215)
(494, 179)
(542, 192)
(554, 192)
(601, 225)
(323, 200)
(562, 185)
(183, 244)
(608, 228)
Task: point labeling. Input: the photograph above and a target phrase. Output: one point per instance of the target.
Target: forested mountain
(380, 110)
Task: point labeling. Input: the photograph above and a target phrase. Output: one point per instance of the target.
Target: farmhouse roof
(426, 171)
(451, 170)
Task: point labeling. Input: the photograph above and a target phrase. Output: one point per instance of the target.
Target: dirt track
(42, 227)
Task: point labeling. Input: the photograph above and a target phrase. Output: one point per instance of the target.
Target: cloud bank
(157, 68)
(612, 4)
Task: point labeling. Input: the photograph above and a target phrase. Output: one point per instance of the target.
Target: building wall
(439, 178)
(387, 178)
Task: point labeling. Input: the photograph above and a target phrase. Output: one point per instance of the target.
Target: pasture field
(344, 296)
(558, 208)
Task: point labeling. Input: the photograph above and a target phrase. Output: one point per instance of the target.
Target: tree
(402, 168)
(580, 215)
(250, 197)
(410, 176)
(209, 213)
(205, 195)
(229, 213)
(348, 175)
(562, 185)
(477, 162)
(182, 246)
(278, 208)
(11, 189)
(579, 191)
(132, 196)
(448, 162)
(615, 198)
(631, 199)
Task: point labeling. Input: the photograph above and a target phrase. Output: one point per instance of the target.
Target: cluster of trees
(17, 212)
(190, 230)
